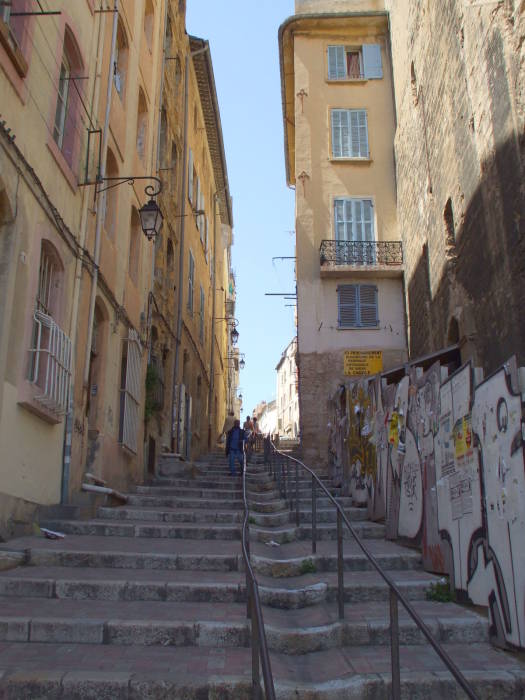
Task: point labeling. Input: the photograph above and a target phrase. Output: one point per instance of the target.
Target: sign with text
(358, 363)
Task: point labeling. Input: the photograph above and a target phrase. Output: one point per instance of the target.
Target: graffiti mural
(441, 460)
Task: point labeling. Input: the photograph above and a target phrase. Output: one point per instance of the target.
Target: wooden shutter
(337, 146)
(336, 63)
(368, 311)
(347, 306)
(372, 66)
(363, 133)
(190, 176)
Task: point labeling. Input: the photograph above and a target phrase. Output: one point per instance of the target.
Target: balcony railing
(360, 253)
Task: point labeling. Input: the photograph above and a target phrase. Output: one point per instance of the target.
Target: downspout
(212, 352)
(175, 434)
(73, 324)
(101, 206)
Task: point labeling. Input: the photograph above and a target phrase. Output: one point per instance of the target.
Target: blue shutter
(336, 63)
(372, 66)
(336, 133)
(363, 133)
(368, 311)
(347, 298)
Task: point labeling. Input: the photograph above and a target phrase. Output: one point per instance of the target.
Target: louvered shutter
(363, 133)
(372, 66)
(337, 149)
(336, 62)
(190, 176)
(354, 151)
(347, 305)
(368, 311)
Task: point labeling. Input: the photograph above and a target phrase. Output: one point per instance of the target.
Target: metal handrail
(253, 611)
(395, 593)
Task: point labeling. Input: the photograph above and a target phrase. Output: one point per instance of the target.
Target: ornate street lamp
(151, 219)
(234, 335)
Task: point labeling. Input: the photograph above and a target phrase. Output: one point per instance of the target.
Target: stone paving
(148, 600)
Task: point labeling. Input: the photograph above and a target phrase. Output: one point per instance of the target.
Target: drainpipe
(101, 205)
(175, 434)
(73, 323)
(212, 352)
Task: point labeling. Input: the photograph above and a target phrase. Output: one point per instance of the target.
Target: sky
(245, 55)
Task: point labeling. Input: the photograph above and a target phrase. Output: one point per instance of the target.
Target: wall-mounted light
(151, 219)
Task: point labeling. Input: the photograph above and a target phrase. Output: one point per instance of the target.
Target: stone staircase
(148, 600)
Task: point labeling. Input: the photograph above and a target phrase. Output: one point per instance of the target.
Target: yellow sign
(358, 363)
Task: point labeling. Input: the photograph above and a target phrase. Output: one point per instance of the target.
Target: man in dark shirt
(235, 446)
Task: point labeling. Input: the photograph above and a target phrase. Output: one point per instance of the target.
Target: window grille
(51, 363)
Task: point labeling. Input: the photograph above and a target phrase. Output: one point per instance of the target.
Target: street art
(441, 459)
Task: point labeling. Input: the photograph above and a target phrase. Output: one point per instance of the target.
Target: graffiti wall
(441, 460)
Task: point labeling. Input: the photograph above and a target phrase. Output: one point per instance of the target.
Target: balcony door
(354, 231)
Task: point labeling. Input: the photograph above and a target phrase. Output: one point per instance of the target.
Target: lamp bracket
(150, 190)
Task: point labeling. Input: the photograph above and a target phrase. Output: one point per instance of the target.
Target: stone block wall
(459, 90)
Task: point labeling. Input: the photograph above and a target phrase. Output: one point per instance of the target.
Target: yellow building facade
(339, 126)
(91, 327)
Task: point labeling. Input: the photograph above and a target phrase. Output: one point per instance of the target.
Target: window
(62, 100)
(134, 246)
(354, 63)
(66, 124)
(357, 306)
(13, 35)
(349, 133)
(121, 61)
(130, 390)
(354, 219)
(142, 125)
(149, 16)
(201, 317)
(190, 176)
(191, 276)
(50, 352)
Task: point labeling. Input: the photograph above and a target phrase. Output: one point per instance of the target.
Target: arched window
(149, 18)
(111, 196)
(142, 124)
(448, 218)
(169, 255)
(134, 246)
(121, 61)
(67, 111)
(163, 141)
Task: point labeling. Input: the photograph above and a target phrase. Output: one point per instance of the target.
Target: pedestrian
(235, 440)
(256, 434)
(248, 433)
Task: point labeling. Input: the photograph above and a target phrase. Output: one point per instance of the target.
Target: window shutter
(372, 66)
(347, 305)
(190, 176)
(336, 62)
(336, 133)
(368, 220)
(363, 133)
(368, 305)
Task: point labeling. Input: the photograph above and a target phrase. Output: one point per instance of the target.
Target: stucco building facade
(287, 395)
(339, 127)
(91, 320)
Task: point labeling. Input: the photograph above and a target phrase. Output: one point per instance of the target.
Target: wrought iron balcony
(360, 254)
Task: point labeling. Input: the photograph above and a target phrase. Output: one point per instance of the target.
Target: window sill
(13, 50)
(351, 160)
(62, 163)
(359, 328)
(344, 81)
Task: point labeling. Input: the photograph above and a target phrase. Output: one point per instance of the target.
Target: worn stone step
(168, 515)
(296, 558)
(83, 583)
(325, 531)
(190, 531)
(208, 494)
(91, 671)
(359, 586)
(304, 503)
(129, 553)
(63, 621)
(324, 515)
(175, 502)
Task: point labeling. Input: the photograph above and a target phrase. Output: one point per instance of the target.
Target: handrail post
(394, 647)
(256, 678)
(297, 516)
(314, 516)
(340, 567)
